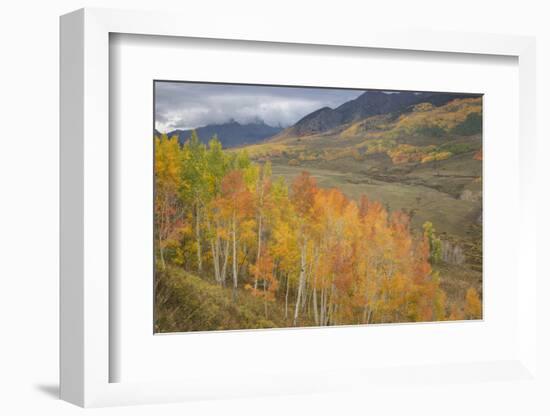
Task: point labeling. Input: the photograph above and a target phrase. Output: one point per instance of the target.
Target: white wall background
(29, 206)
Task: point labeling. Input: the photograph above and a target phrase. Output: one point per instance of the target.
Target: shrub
(431, 131)
(473, 304)
(458, 148)
(293, 162)
(185, 302)
(471, 125)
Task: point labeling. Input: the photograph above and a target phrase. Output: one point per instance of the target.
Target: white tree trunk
(259, 251)
(286, 296)
(301, 281)
(216, 259)
(225, 261)
(323, 307)
(315, 312)
(198, 236)
(235, 279)
(161, 250)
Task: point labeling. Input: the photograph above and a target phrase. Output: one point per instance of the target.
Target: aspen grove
(312, 254)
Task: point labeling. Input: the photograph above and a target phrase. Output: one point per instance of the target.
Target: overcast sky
(181, 105)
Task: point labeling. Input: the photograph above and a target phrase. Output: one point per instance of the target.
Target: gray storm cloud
(180, 105)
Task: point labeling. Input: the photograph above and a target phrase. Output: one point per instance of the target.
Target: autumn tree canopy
(321, 257)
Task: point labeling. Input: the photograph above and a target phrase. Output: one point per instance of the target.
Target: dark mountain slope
(321, 120)
(231, 134)
(368, 104)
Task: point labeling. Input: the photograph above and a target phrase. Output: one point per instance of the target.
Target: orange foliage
(473, 304)
(340, 261)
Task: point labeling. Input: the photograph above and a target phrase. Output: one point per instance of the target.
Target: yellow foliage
(436, 156)
(379, 122)
(423, 107)
(268, 149)
(293, 162)
(456, 313)
(378, 145)
(473, 304)
(445, 117)
(334, 154)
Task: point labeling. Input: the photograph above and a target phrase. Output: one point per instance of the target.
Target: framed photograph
(243, 215)
(351, 207)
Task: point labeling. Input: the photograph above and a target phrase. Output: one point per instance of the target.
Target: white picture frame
(85, 164)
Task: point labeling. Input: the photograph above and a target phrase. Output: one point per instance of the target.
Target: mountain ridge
(368, 104)
(231, 133)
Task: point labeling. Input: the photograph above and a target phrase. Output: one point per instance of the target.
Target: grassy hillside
(185, 302)
(424, 203)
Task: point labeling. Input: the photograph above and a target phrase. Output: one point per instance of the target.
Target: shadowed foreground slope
(185, 302)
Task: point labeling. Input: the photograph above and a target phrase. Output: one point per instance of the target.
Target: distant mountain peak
(369, 103)
(322, 110)
(231, 133)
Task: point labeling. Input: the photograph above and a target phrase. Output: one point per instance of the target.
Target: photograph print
(292, 206)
